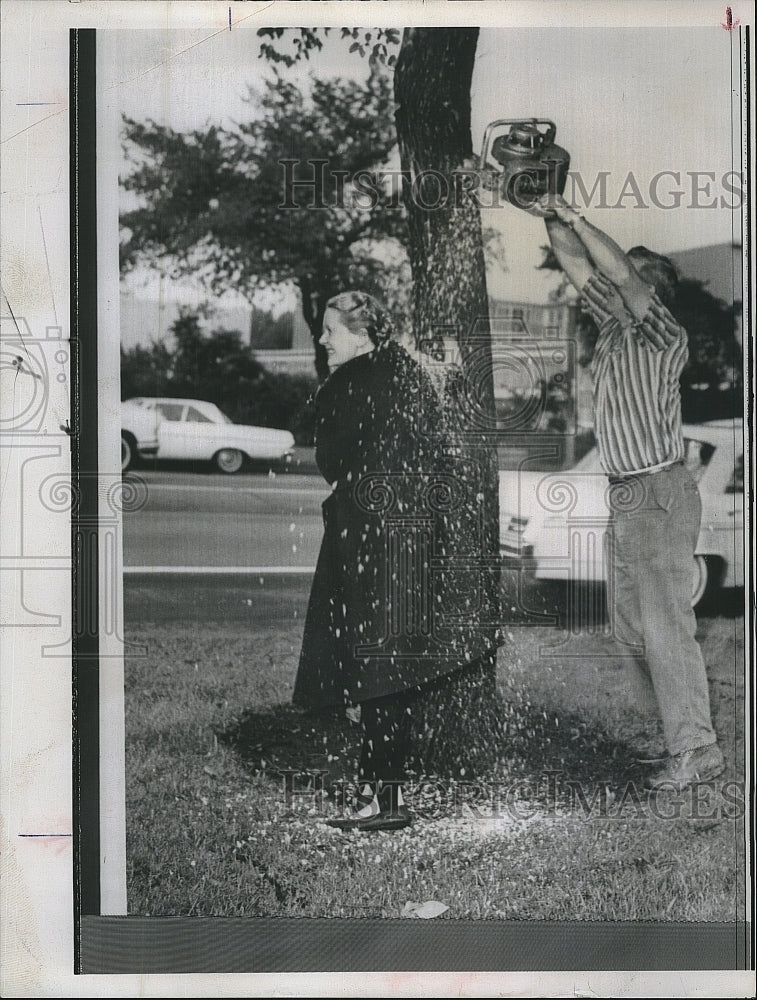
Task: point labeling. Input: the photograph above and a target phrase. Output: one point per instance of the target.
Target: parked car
(553, 523)
(194, 429)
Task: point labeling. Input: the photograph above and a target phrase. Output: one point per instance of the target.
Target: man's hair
(658, 271)
(359, 310)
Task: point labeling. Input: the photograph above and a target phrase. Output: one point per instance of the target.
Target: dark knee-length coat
(398, 598)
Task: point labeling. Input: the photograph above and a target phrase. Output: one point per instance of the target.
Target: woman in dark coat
(386, 617)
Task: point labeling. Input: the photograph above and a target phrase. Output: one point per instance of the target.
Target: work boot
(684, 769)
(646, 749)
(366, 805)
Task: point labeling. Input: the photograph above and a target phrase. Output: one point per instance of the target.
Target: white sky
(641, 99)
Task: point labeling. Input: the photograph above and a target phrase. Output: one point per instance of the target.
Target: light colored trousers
(654, 525)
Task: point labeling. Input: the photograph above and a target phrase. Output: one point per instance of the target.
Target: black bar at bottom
(131, 945)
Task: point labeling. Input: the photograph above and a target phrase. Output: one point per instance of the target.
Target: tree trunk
(432, 91)
(315, 294)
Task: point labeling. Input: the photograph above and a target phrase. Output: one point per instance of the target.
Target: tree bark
(432, 91)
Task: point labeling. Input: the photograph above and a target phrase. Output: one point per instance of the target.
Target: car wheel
(229, 460)
(700, 580)
(127, 452)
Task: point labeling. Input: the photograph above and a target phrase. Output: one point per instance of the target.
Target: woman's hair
(658, 270)
(359, 310)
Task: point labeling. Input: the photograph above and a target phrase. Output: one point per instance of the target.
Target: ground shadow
(283, 738)
(529, 742)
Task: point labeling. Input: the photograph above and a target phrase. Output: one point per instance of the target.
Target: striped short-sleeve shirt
(636, 370)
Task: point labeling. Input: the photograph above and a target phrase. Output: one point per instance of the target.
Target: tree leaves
(214, 201)
(303, 41)
(217, 197)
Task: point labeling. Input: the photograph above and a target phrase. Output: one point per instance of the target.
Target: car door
(201, 434)
(171, 430)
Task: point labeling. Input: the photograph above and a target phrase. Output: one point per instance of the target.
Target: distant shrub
(220, 368)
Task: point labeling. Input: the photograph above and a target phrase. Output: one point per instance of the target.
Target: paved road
(190, 519)
(247, 546)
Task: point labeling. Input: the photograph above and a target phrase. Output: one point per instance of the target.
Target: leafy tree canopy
(213, 199)
(375, 41)
(212, 202)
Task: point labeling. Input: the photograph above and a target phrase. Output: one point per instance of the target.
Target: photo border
(134, 944)
(143, 945)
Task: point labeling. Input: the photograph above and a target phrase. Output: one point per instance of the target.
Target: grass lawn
(211, 832)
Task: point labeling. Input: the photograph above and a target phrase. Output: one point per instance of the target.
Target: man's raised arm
(608, 258)
(599, 296)
(570, 252)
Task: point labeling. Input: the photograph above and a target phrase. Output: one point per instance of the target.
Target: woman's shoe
(362, 802)
(346, 822)
(393, 814)
(396, 820)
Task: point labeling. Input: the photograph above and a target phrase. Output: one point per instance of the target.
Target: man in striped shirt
(655, 505)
